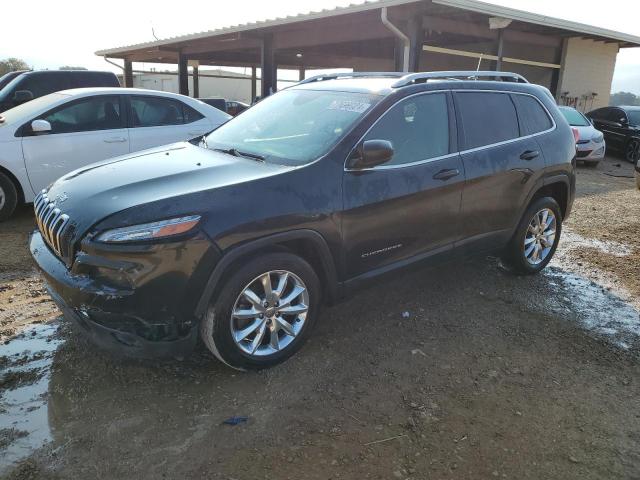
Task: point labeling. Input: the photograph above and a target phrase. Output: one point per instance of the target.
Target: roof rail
(333, 76)
(458, 75)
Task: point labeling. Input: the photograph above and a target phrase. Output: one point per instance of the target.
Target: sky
(68, 32)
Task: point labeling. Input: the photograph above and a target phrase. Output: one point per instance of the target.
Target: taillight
(576, 134)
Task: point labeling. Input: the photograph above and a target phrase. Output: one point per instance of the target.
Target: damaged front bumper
(134, 300)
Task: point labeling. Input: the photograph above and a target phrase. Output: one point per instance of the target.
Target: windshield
(293, 127)
(634, 117)
(7, 77)
(21, 112)
(575, 118)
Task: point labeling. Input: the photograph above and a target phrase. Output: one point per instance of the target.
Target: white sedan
(50, 136)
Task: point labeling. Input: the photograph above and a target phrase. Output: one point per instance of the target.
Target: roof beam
(471, 29)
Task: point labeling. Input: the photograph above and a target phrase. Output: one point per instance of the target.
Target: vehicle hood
(94, 192)
(586, 132)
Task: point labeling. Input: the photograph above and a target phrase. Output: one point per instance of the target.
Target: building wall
(587, 68)
(228, 88)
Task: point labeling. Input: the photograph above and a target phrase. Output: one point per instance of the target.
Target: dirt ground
(458, 371)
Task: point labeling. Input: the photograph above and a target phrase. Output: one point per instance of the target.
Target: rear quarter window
(532, 115)
(487, 118)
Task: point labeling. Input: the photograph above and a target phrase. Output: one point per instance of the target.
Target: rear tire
(8, 197)
(536, 238)
(275, 297)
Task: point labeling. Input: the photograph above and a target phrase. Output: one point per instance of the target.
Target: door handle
(530, 155)
(446, 174)
(115, 140)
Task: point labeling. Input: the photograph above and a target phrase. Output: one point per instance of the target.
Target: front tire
(264, 312)
(632, 152)
(536, 238)
(8, 197)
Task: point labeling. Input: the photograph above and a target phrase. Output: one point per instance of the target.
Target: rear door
(156, 121)
(83, 131)
(411, 204)
(501, 161)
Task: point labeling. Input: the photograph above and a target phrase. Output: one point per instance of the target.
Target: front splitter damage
(149, 314)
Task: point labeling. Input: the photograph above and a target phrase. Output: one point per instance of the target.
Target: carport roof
(625, 40)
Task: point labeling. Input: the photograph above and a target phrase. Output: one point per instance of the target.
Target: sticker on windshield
(349, 106)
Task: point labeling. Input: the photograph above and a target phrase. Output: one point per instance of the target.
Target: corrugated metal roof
(470, 5)
(528, 17)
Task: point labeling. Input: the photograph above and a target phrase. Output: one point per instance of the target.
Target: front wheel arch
(323, 263)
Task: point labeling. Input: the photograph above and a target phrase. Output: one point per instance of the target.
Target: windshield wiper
(237, 153)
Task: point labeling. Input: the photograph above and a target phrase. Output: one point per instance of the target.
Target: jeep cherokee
(238, 239)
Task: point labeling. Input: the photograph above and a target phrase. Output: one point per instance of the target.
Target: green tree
(624, 98)
(12, 64)
(69, 67)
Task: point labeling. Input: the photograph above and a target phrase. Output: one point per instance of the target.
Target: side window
(155, 112)
(191, 115)
(41, 84)
(616, 115)
(532, 115)
(95, 113)
(600, 113)
(487, 118)
(418, 128)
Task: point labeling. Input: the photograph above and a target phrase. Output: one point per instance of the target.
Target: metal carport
(403, 35)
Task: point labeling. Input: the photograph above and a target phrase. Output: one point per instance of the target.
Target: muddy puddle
(596, 300)
(571, 240)
(597, 308)
(25, 363)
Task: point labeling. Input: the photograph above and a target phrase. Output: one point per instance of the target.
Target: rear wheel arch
(307, 244)
(558, 190)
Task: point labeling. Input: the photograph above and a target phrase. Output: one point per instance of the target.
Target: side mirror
(22, 96)
(40, 127)
(371, 154)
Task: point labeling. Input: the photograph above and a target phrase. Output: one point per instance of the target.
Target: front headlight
(597, 137)
(148, 231)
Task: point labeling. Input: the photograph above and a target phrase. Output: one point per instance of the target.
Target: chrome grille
(52, 223)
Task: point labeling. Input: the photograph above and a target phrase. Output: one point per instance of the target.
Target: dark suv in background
(621, 129)
(309, 194)
(25, 86)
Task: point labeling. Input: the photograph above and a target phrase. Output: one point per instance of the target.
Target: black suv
(621, 129)
(307, 195)
(25, 86)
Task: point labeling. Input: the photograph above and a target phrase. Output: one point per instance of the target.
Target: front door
(409, 205)
(83, 131)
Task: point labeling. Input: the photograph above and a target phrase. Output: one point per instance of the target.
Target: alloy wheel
(540, 237)
(633, 151)
(3, 198)
(269, 313)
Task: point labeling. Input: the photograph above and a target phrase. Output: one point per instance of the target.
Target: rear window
(533, 117)
(156, 112)
(487, 118)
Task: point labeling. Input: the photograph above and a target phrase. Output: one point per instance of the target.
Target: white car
(50, 136)
(590, 147)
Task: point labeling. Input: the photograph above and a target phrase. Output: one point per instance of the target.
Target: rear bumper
(129, 319)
